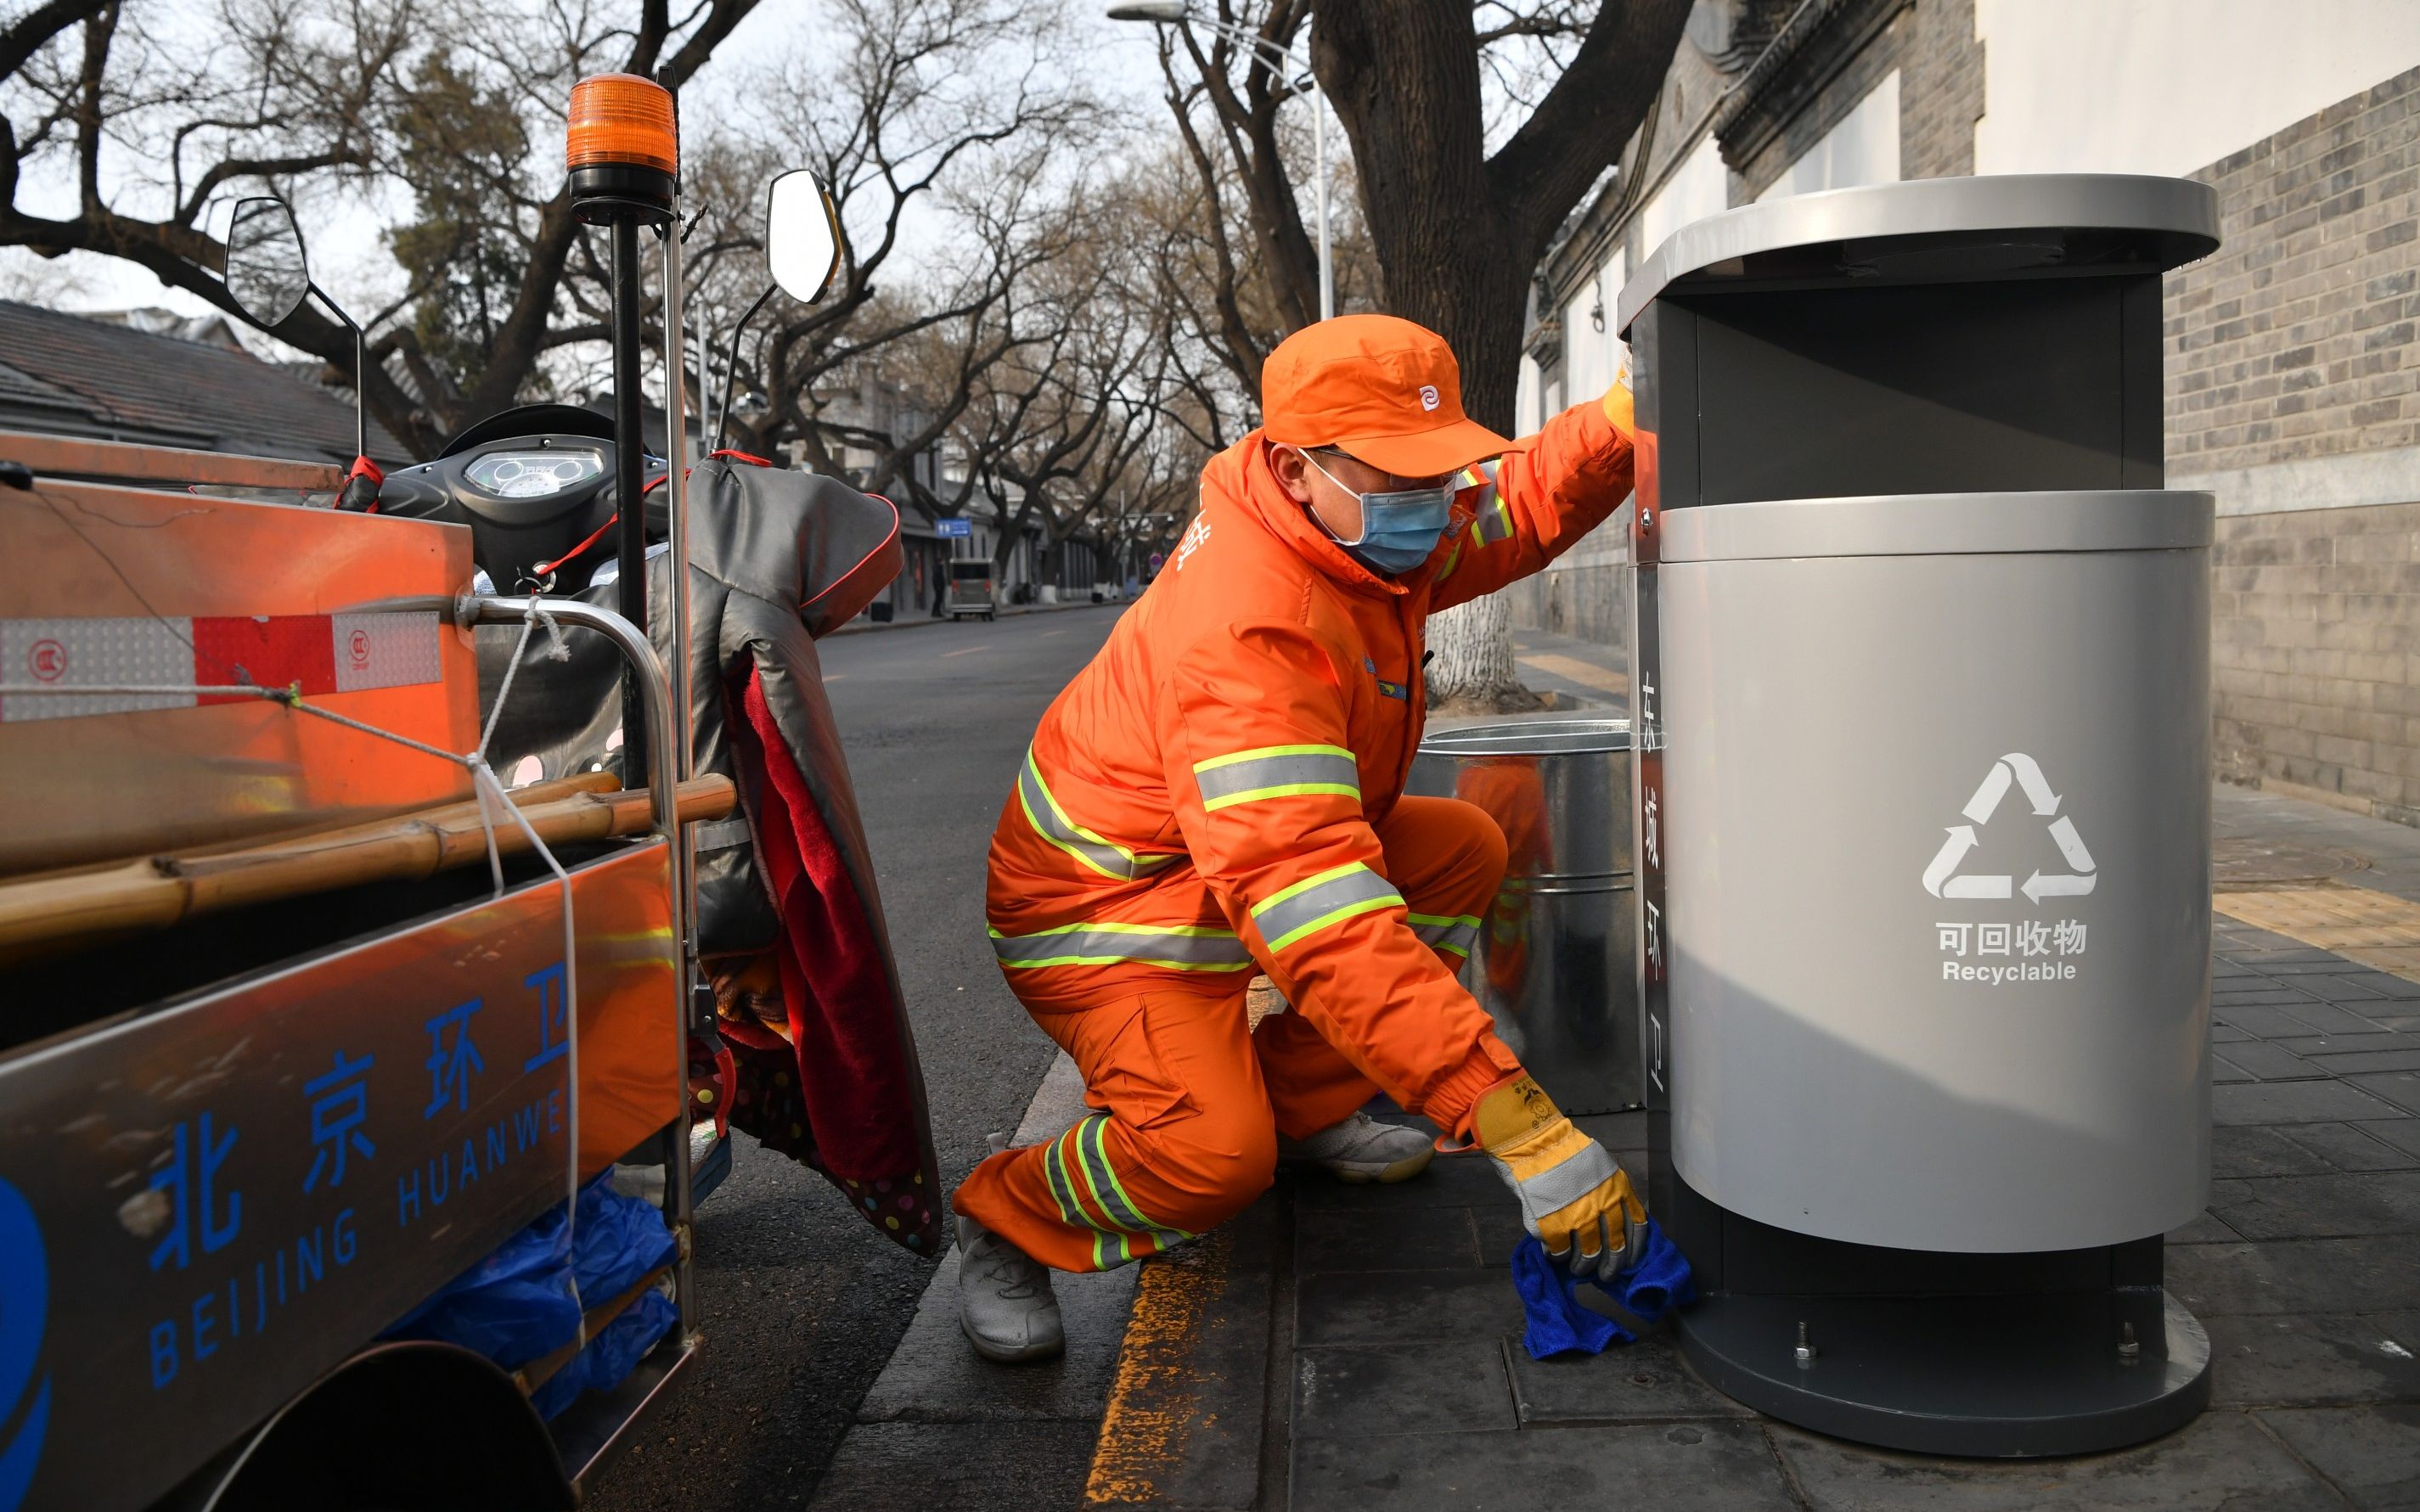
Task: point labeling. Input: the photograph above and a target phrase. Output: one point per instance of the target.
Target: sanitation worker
(1220, 793)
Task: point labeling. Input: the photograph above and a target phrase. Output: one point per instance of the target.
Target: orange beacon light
(622, 146)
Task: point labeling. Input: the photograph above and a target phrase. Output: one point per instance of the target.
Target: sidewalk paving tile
(2204, 1228)
(2267, 1021)
(2403, 1134)
(2341, 1045)
(1645, 1382)
(2304, 1207)
(2256, 1150)
(2349, 1148)
(1402, 1239)
(2315, 1360)
(2400, 1088)
(2372, 1452)
(2332, 1018)
(2220, 1460)
(1681, 1467)
(2294, 1102)
(2355, 1061)
(1459, 1180)
(2373, 1273)
(1433, 1386)
(1386, 1306)
(2272, 1063)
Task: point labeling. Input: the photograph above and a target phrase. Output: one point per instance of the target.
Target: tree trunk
(1458, 233)
(1471, 669)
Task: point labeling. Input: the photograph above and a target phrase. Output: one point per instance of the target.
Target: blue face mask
(1399, 528)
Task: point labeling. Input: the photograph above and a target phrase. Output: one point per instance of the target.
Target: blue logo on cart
(24, 1308)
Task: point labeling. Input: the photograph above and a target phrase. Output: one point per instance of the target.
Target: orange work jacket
(1200, 799)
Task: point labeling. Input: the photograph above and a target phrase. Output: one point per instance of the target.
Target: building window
(1862, 149)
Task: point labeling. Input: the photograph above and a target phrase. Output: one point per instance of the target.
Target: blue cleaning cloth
(1651, 1286)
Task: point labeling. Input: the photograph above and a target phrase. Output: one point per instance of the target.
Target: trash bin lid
(1530, 737)
(1919, 231)
(1941, 524)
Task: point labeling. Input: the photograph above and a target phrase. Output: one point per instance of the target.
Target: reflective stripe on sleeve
(1051, 822)
(1177, 946)
(1439, 933)
(1277, 772)
(1495, 521)
(1315, 903)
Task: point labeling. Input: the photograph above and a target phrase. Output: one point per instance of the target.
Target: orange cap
(1381, 389)
(621, 120)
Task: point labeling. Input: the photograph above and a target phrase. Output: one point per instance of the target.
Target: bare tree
(155, 114)
(1475, 131)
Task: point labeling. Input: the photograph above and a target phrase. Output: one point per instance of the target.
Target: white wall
(1698, 188)
(2167, 86)
(1529, 405)
(1862, 149)
(1592, 356)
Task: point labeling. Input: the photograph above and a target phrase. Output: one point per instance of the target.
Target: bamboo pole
(45, 915)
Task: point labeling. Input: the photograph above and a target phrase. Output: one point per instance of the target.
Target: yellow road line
(2377, 928)
(1586, 674)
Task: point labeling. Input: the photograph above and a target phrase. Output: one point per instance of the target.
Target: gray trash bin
(1556, 962)
(1921, 646)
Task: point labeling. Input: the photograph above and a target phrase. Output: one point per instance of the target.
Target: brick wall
(2291, 381)
(2315, 654)
(1940, 90)
(2294, 340)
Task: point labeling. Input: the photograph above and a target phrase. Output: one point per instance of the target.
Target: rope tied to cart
(491, 794)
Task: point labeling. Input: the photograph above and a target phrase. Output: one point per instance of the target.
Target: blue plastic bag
(1649, 1287)
(519, 1303)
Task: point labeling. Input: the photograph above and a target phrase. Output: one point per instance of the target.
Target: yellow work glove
(1618, 406)
(1575, 1197)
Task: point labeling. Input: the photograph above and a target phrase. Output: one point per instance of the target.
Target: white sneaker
(1005, 1303)
(1361, 1150)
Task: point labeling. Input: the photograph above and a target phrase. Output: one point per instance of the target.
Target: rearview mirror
(266, 272)
(802, 236)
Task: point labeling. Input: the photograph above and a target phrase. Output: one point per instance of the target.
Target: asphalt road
(802, 1302)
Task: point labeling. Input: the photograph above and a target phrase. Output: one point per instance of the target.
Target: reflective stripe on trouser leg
(1174, 946)
(1090, 1196)
(1051, 822)
(1277, 772)
(1318, 902)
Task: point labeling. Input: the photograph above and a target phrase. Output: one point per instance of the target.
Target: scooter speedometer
(534, 474)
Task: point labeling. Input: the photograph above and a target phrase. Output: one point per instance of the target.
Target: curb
(1191, 1425)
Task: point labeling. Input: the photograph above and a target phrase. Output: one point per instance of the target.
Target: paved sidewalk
(1394, 1377)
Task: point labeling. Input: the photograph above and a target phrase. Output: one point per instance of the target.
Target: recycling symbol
(2016, 769)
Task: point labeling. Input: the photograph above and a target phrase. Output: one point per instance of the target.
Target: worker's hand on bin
(1575, 1197)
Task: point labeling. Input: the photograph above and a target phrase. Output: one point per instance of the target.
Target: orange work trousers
(1186, 1098)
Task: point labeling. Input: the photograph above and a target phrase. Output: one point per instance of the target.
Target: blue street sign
(955, 528)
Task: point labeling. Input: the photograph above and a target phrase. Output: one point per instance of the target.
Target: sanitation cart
(278, 1068)
(345, 1096)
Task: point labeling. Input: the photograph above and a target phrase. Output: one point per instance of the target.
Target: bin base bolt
(1805, 1353)
(2128, 1348)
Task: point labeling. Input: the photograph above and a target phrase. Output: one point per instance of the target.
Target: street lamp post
(1174, 13)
